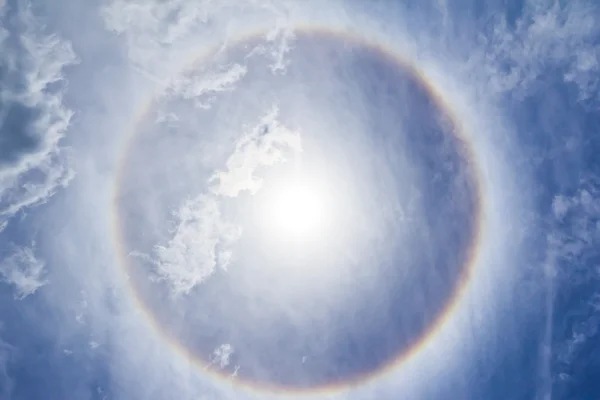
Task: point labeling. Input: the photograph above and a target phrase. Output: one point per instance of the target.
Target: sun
(296, 210)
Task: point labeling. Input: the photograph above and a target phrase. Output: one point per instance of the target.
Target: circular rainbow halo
(321, 235)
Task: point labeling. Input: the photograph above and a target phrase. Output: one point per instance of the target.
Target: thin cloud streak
(24, 271)
(267, 144)
(33, 118)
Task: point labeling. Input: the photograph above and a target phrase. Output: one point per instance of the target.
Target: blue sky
(146, 147)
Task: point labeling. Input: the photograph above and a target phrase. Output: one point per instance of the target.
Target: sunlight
(296, 210)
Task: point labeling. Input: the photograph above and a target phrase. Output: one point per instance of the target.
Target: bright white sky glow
(296, 210)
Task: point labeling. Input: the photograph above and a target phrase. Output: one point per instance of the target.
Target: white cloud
(266, 144)
(151, 28)
(197, 86)
(27, 192)
(24, 271)
(278, 43)
(33, 119)
(584, 72)
(548, 35)
(580, 213)
(202, 241)
(575, 245)
(221, 355)
(280, 37)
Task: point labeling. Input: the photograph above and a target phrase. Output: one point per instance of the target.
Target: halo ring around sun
(303, 224)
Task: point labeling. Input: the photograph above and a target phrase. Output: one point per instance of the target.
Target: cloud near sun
(263, 199)
(202, 240)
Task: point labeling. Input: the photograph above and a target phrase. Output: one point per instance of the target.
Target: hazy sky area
(270, 199)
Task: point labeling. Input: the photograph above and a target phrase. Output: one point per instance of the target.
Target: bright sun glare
(297, 210)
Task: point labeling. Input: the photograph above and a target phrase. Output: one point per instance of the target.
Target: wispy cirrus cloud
(33, 121)
(33, 118)
(548, 35)
(201, 242)
(201, 87)
(151, 28)
(265, 145)
(576, 274)
(221, 355)
(164, 38)
(23, 271)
